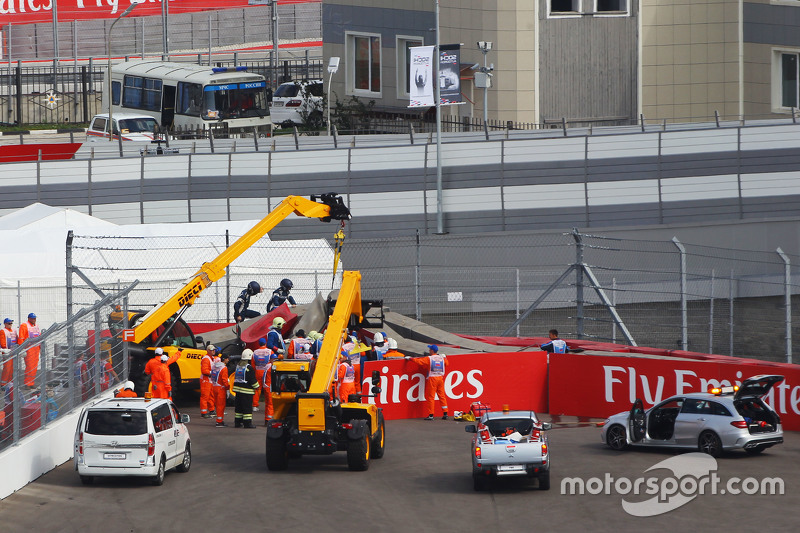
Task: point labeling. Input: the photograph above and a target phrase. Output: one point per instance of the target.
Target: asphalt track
(423, 483)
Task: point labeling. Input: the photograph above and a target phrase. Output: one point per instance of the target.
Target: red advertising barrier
(32, 152)
(33, 11)
(518, 379)
(599, 386)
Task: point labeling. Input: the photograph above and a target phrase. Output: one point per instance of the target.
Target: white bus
(183, 96)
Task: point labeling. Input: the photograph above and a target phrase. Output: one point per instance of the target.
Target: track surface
(423, 483)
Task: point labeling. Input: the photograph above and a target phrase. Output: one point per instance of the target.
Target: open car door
(757, 386)
(637, 421)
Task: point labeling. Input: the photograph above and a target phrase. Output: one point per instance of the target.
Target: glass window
(190, 99)
(366, 54)
(99, 124)
(719, 409)
(116, 423)
(565, 6)
(116, 89)
(611, 5)
(404, 65)
(162, 418)
(142, 93)
(789, 77)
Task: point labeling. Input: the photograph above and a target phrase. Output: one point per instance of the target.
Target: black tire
(380, 439)
(709, 443)
(544, 480)
(277, 457)
(358, 454)
(755, 450)
(175, 383)
(187, 460)
(288, 124)
(478, 482)
(158, 479)
(87, 480)
(315, 120)
(616, 437)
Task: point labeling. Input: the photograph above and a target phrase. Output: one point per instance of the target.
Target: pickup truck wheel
(358, 454)
(277, 458)
(616, 438)
(478, 482)
(380, 439)
(544, 481)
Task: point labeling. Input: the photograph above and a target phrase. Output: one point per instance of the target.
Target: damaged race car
(727, 418)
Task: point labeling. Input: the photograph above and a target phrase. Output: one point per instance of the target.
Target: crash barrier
(591, 384)
(51, 374)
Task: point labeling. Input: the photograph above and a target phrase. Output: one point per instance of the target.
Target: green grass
(34, 127)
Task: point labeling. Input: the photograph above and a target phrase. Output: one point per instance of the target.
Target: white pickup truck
(509, 443)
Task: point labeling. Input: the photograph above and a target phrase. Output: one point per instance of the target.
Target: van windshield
(138, 125)
(116, 423)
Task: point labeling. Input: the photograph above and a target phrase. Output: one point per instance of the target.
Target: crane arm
(347, 304)
(324, 207)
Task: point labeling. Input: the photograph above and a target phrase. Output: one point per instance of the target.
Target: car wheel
(87, 480)
(187, 460)
(379, 441)
(358, 454)
(277, 458)
(755, 450)
(158, 479)
(544, 481)
(478, 482)
(315, 120)
(616, 438)
(288, 124)
(709, 443)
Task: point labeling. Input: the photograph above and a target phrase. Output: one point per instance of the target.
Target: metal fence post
(711, 316)
(614, 303)
(730, 317)
(578, 280)
(684, 317)
(516, 313)
(97, 363)
(787, 287)
(417, 281)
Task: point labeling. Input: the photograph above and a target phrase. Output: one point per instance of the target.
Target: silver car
(726, 419)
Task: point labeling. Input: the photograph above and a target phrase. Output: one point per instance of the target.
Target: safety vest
(275, 340)
(300, 348)
(380, 351)
(349, 375)
(239, 375)
(216, 370)
(11, 336)
(266, 378)
(559, 346)
(261, 358)
(437, 365)
(203, 377)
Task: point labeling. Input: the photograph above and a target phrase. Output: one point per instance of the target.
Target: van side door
(165, 436)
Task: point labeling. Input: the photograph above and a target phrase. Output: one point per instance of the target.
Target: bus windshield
(236, 100)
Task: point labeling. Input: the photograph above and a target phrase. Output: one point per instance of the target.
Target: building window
(789, 87)
(364, 74)
(614, 6)
(565, 6)
(404, 45)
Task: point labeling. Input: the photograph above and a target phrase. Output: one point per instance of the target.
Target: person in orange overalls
(206, 401)
(127, 391)
(8, 341)
(266, 383)
(261, 357)
(107, 375)
(347, 379)
(26, 330)
(161, 379)
(83, 381)
(436, 364)
(219, 387)
(392, 353)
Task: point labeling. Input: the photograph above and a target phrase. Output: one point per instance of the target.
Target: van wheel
(158, 479)
(187, 459)
(87, 480)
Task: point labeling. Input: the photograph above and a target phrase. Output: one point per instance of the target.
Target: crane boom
(325, 207)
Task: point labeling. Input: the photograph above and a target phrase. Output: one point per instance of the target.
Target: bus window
(116, 89)
(190, 99)
(142, 93)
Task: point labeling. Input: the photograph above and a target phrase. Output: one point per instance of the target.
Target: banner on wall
(516, 379)
(594, 386)
(450, 74)
(40, 11)
(421, 72)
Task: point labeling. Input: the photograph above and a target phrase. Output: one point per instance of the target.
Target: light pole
(485, 79)
(108, 50)
(333, 66)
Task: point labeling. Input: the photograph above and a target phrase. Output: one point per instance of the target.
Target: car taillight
(294, 103)
(477, 452)
(80, 444)
(741, 424)
(151, 445)
(544, 449)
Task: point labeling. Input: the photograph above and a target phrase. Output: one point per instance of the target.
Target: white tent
(33, 262)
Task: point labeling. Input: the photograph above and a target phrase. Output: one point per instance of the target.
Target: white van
(131, 437)
(133, 127)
